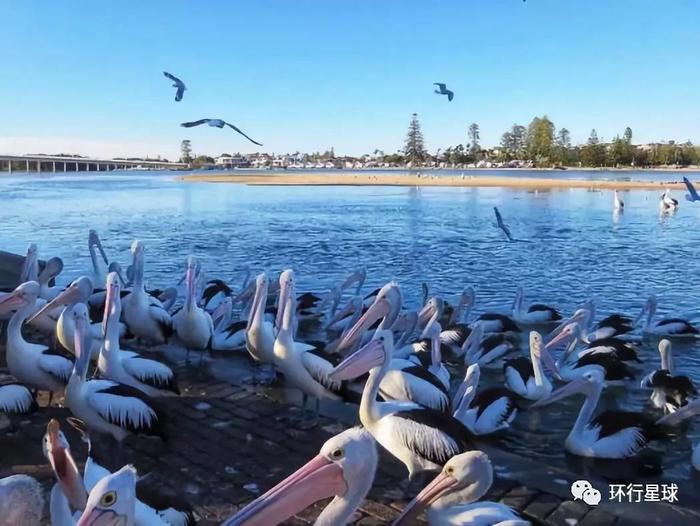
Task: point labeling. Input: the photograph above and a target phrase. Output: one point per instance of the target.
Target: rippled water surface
(569, 247)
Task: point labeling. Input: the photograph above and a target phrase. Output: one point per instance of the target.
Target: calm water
(570, 248)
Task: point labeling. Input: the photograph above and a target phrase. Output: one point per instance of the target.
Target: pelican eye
(337, 454)
(449, 470)
(108, 499)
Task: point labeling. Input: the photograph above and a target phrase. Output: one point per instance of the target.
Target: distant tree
(186, 151)
(473, 135)
(507, 146)
(540, 139)
(593, 153)
(519, 133)
(414, 149)
(564, 138)
(627, 136)
(562, 150)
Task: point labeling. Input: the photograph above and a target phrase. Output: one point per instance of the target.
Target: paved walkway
(228, 444)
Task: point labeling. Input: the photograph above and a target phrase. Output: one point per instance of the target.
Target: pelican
(614, 325)
(57, 451)
(105, 405)
(52, 269)
(112, 501)
(535, 314)
(611, 434)
(486, 351)
(193, 325)
(493, 322)
(689, 410)
(488, 412)
(21, 500)
(667, 203)
(100, 263)
(671, 392)
(144, 315)
(450, 499)
(30, 265)
(16, 399)
(260, 333)
(620, 349)
(457, 330)
(422, 439)
(228, 335)
(177, 83)
(442, 90)
(667, 327)
(78, 292)
(502, 225)
(125, 367)
(618, 204)
(217, 123)
(344, 469)
(525, 377)
(34, 365)
(432, 360)
(157, 510)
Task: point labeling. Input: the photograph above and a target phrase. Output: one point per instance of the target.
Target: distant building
(232, 161)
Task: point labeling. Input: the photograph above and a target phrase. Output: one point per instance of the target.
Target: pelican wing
(162, 318)
(692, 192)
(450, 95)
(239, 131)
(174, 79)
(440, 85)
(15, 398)
(432, 435)
(151, 372)
(56, 365)
(481, 513)
(194, 123)
(126, 407)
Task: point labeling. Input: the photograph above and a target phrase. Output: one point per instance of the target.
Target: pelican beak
(358, 277)
(110, 304)
(11, 302)
(318, 479)
(30, 261)
(66, 297)
(576, 317)
(246, 293)
(94, 241)
(368, 357)
(284, 296)
(64, 467)
(220, 310)
(379, 309)
(424, 315)
(346, 311)
(98, 517)
(554, 342)
(543, 353)
(569, 389)
(433, 491)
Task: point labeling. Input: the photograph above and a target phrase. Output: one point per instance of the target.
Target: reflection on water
(570, 247)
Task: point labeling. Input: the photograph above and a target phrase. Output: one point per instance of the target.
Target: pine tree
(415, 148)
(185, 151)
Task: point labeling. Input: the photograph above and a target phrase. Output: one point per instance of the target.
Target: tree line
(542, 145)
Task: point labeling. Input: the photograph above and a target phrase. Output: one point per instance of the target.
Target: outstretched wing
(239, 131)
(501, 224)
(174, 79)
(179, 92)
(691, 189)
(450, 95)
(194, 123)
(440, 85)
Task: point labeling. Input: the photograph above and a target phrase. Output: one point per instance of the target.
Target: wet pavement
(229, 443)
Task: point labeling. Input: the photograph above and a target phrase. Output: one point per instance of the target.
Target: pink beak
(379, 309)
(318, 479)
(97, 517)
(11, 302)
(371, 355)
(425, 498)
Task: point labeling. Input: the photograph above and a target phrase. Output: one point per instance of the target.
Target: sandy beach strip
(355, 179)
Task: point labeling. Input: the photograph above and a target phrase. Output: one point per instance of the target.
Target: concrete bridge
(54, 163)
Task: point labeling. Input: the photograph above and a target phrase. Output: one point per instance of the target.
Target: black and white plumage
(525, 377)
(177, 83)
(670, 391)
(16, 399)
(422, 439)
(485, 412)
(493, 322)
(667, 327)
(534, 314)
(486, 350)
(107, 406)
(217, 123)
(667, 203)
(502, 225)
(692, 194)
(442, 90)
(611, 434)
(228, 335)
(618, 204)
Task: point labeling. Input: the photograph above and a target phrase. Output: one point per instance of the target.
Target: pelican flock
(397, 365)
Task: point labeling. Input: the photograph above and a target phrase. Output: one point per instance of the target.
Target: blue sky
(86, 77)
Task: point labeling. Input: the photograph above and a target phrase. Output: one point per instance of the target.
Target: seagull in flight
(501, 224)
(692, 194)
(443, 90)
(217, 123)
(178, 84)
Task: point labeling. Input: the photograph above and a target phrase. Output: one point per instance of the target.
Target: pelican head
(540, 352)
(26, 293)
(112, 500)
(286, 291)
(566, 334)
(52, 269)
(79, 313)
(94, 241)
(468, 386)
(376, 353)
(432, 310)
(30, 266)
(465, 478)
(57, 451)
(78, 291)
(386, 306)
(356, 277)
(589, 382)
(344, 469)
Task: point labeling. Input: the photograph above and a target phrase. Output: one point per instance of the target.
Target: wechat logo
(583, 490)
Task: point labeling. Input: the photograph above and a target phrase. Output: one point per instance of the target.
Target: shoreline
(427, 180)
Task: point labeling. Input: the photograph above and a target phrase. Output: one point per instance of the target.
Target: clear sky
(86, 77)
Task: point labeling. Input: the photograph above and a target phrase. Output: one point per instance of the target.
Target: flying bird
(501, 224)
(217, 123)
(692, 194)
(178, 84)
(443, 90)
